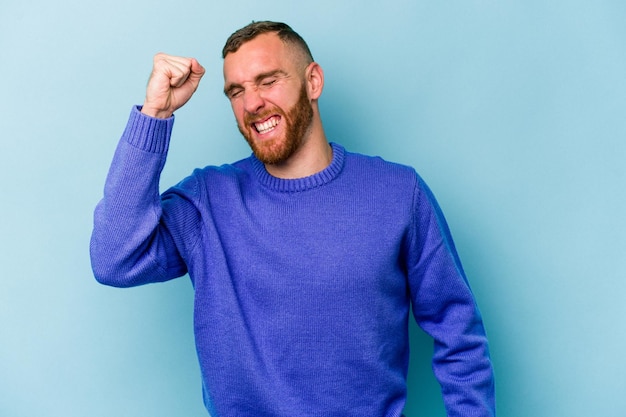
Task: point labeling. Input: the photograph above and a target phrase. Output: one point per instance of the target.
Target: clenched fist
(172, 83)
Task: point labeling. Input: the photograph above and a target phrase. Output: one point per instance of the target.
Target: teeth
(267, 125)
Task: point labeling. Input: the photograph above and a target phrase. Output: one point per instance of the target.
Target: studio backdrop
(514, 112)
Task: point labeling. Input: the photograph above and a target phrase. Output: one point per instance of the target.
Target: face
(265, 83)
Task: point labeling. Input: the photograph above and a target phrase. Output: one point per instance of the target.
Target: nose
(253, 101)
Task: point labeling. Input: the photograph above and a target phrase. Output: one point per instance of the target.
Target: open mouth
(267, 125)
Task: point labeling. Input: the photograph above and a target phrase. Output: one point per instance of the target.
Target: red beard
(297, 122)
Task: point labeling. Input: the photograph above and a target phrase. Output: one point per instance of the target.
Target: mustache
(250, 118)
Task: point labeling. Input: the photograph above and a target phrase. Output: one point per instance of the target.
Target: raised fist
(172, 83)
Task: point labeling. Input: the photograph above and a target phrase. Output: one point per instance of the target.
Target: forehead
(266, 52)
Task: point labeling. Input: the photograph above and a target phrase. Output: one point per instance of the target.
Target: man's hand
(172, 83)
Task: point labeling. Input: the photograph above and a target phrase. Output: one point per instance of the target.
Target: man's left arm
(445, 308)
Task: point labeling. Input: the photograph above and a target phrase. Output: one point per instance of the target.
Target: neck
(313, 156)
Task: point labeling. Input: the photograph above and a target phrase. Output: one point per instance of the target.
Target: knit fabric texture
(303, 287)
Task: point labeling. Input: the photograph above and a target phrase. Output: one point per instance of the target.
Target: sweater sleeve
(130, 244)
(445, 308)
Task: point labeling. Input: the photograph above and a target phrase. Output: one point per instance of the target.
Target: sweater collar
(301, 184)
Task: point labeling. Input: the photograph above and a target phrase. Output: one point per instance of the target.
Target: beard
(297, 121)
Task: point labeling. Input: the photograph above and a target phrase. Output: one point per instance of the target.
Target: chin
(272, 153)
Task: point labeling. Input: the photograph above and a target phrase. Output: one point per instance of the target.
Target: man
(305, 258)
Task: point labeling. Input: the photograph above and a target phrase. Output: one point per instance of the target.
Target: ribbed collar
(301, 184)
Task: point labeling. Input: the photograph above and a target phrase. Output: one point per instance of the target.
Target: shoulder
(234, 171)
(217, 177)
(380, 170)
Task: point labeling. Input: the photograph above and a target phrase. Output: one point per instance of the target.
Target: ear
(314, 80)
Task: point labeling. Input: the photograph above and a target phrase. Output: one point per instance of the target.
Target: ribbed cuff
(148, 133)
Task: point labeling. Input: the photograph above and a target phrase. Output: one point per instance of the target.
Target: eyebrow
(257, 80)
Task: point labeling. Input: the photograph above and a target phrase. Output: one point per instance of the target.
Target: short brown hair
(254, 29)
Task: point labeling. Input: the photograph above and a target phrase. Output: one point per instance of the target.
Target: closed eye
(268, 82)
(270, 78)
(265, 80)
(232, 93)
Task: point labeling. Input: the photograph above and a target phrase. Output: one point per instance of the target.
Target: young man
(305, 258)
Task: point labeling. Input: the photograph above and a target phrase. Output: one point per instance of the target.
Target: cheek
(282, 98)
(238, 113)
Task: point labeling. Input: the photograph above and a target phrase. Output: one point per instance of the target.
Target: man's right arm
(129, 244)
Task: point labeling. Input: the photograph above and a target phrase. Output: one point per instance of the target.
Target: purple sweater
(303, 287)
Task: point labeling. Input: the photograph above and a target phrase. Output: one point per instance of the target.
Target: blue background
(513, 111)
